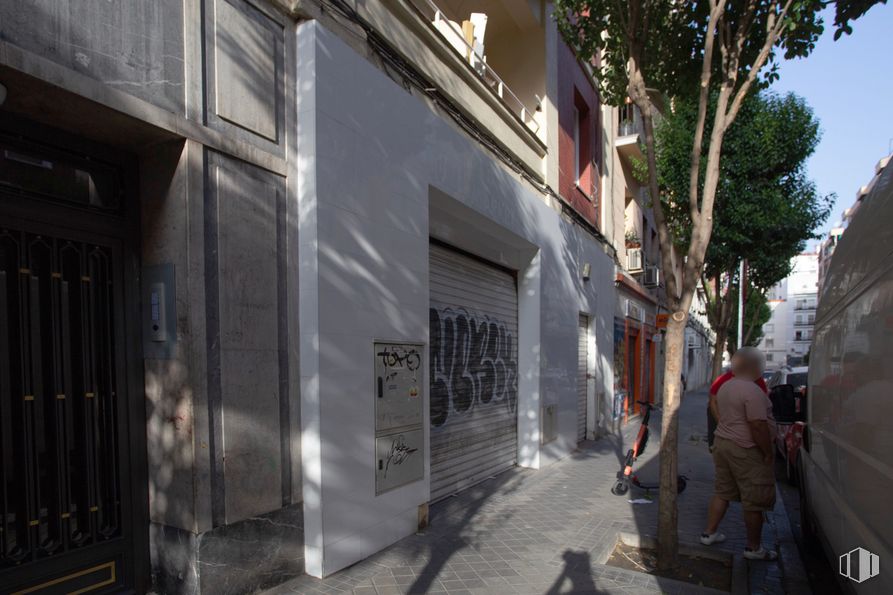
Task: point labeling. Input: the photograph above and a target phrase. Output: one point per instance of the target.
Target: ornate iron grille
(59, 483)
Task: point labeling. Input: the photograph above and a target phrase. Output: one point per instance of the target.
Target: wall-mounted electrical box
(399, 459)
(398, 394)
(159, 312)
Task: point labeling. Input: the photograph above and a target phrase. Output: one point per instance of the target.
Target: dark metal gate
(65, 491)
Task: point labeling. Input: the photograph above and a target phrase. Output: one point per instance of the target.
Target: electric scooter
(625, 476)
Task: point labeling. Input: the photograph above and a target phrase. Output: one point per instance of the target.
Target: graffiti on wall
(400, 357)
(398, 453)
(473, 363)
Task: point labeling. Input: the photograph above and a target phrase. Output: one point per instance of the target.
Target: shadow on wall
(169, 389)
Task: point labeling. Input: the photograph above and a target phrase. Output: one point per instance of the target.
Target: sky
(849, 84)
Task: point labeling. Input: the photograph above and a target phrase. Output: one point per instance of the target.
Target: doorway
(72, 482)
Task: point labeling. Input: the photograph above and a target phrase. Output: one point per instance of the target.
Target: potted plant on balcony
(632, 239)
(627, 127)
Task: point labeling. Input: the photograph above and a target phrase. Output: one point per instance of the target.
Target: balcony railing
(454, 37)
(630, 121)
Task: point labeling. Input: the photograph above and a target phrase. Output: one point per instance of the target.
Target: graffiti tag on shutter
(473, 363)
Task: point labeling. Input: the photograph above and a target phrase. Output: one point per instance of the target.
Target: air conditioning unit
(634, 261)
(652, 277)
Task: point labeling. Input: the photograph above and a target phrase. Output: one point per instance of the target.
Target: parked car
(845, 461)
(796, 377)
(789, 422)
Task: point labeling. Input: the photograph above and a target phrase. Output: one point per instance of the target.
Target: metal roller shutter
(474, 371)
(582, 375)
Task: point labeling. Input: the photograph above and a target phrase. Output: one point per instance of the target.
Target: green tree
(689, 50)
(766, 207)
(756, 313)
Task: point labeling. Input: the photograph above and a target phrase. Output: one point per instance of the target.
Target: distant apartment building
(788, 333)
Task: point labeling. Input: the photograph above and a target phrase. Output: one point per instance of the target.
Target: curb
(739, 568)
(794, 577)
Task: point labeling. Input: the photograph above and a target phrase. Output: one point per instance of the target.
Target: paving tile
(384, 581)
(510, 535)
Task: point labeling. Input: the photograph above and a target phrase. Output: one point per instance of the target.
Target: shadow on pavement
(578, 570)
(451, 516)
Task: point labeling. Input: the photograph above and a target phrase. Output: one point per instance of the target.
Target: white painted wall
(364, 235)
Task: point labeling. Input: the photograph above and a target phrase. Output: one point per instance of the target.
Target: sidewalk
(543, 531)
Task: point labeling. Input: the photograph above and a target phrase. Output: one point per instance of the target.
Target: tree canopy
(756, 313)
(671, 38)
(766, 206)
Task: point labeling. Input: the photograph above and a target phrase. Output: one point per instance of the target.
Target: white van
(845, 463)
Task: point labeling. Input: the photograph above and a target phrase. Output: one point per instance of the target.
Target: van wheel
(808, 528)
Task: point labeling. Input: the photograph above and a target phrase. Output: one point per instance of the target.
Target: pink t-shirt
(740, 401)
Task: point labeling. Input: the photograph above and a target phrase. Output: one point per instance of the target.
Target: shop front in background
(635, 363)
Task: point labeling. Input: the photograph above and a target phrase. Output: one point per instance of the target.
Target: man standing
(743, 454)
(714, 390)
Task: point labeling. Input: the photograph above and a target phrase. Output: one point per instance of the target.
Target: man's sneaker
(760, 554)
(711, 538)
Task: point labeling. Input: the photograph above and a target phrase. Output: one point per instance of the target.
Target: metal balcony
(455, 38)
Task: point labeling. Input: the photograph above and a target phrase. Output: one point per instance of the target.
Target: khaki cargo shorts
(742, 476)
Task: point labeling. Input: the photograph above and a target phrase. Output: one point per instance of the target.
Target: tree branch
(703, 228)
(711, 301)
(716, 10)
(774, 26)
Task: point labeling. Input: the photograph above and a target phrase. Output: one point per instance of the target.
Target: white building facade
(789, 332)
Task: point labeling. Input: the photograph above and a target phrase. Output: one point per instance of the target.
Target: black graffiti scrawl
(473, 363)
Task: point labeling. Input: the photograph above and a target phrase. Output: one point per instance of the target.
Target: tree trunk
(667, 519)
(723, 320)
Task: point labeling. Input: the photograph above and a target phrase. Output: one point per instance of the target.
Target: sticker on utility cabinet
(399, 459)
(398, 386)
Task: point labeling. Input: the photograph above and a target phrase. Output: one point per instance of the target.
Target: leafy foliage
(672, 37)
(850, 10)
(756, 314)
(766, 207)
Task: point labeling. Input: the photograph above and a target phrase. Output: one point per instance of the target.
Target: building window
(768, 328)
(583, 170)
(577, 146)
(798, 336)
(770, 342)
(768, 357)
(799, 319)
